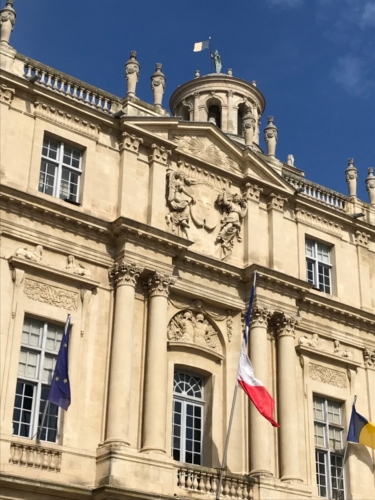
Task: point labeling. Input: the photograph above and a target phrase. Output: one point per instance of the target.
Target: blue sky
(314, 60)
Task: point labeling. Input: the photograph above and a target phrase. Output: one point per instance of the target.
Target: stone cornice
(324, 355)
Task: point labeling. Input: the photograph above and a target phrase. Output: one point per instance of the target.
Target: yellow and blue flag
(59, 392)
(361, 430)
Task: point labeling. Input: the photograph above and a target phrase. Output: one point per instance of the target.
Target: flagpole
(225, 454)
(40, 428)
(209, 44)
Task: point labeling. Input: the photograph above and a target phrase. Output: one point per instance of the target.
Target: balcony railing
(205, 480)
(69, 86)
(35, 456)
(320, 193)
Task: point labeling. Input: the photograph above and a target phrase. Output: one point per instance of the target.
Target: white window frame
(185, 401)
(316, 261)
(59, 165)
(38, 382)
(327, 452)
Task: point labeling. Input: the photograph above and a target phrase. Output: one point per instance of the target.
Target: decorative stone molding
(67, 120)
(369, 358)
(277, 202)
(158, 284)
(251, 192)
(234, 209)
(260, 316)
(52, 295)
(215, 181)
(130, 142)
(202, 147)
(72, 268)
(318, 222)
(193, 328)
(179, 201)
(229, 324)
(159, 153)
(34, 256)
(6, 94)
(312, 341)
(327, 375)
(351, 177)
(341, 352)
(36, 457)
(124, 273)
(285, 325)
(362, 238)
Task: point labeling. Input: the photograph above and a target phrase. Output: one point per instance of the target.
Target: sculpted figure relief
(234, 208)
(217, 61)
(179, 201)
(341, 352)
(71, 267)
(309, 342)
(193, 328)
(34, 256)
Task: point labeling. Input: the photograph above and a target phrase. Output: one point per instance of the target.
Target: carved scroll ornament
(193, 328)
(58, 297)
(327, 375)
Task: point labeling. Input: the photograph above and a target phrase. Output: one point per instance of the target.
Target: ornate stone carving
(48, 294)
(132, 73)
(327, 375)
(251, 192)
(124, 273)
(351, 177)
(193, 328)
(203, 148)
(285, 325)
(7, 21)
(157, 284)
(67, 120)
(158, 85)
(80, 270)
(316, 221)
(270, 136)
(35, 456)
(159, 153)
(370, 185)
(341, 352)
(369, 358)
(362, 238)
(277, 202)
(34, 256)
(260, 316)
(309, 341)
(229, 324)
(234, 209)
(179, 201)
(248, 123)
(6, 94)
(130, 142)
(290, 160)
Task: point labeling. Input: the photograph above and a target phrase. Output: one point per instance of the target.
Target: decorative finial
(7, 21)
(230, 72)
(254, 83)
(197, 73)
(158, 85)
(217, 61)
(351, 178)
(132, 73)
(248, 124)
(270, 136)
(290, 160)
(370, 185)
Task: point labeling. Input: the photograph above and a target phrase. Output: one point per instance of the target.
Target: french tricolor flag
(253, 387)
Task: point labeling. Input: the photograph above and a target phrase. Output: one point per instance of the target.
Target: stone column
(260, 428)
(196, 107)
(158, 85)
(132, 73)
(270, 137)
(370, 185)
(155, 386)
(287, 399)
(248, 124)
(127, 186)
(124, 277)
(232, 118)
(276, 232)
(351, 178)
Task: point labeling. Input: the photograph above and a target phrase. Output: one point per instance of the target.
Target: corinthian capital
(130, 142)
(157, 284)
(285, 325)
(260, 316)
(123, 273)
(159, 153)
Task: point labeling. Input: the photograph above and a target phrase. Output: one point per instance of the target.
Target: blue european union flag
(59, 392)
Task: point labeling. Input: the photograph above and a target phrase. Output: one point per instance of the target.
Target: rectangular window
(329, 448)
(60, 170)
(318, 265)
(39, 347)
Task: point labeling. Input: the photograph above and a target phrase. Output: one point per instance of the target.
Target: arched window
(188, 415)
(185, 113)
(214, 111)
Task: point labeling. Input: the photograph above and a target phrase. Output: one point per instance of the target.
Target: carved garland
(52, 295)
(327, 375)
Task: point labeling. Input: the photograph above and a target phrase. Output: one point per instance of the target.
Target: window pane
(310, 271)
(310, 248)
(337, 481)
(71, 157)
(318, 409)
(334, 412)
(319, 435)
(50, 149)
(32, 332)
(335, 438)
(48, 367)
(54, 336)
(28, 364)
(49, 432)
(324, 278)
(47, 177)
(323, 253)
(22, 412)
(321, 476)
(69, 185)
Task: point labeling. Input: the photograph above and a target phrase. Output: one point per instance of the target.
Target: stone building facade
(147, 228)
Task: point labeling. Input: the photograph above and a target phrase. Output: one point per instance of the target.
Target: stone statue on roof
(217, 61)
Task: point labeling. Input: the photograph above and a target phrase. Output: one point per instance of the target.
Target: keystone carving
(341, 352)
(193, 328)
(130, 142)
(362, 238)
(234, 209)
(159, 153)
(124, 273)
(34, 256)
(309, 341)
(285, 325)
(72, 268)
(157, 284)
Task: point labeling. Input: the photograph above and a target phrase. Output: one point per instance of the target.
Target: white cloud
(368, 15)
(350, 72)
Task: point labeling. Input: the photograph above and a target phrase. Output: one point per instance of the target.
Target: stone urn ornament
(351, 177)
(132, 73)
(158, 85)
(270, 136)
(370, 185)
(7, 21)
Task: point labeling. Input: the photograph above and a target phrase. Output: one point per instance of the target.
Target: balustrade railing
(35, 456)
(320, 193)
(69, 86)
(204, 480)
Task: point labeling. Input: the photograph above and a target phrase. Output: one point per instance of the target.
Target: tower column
(196, 107)
(260, 432)
(124, 277)
(155, 395)
(287, 401)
